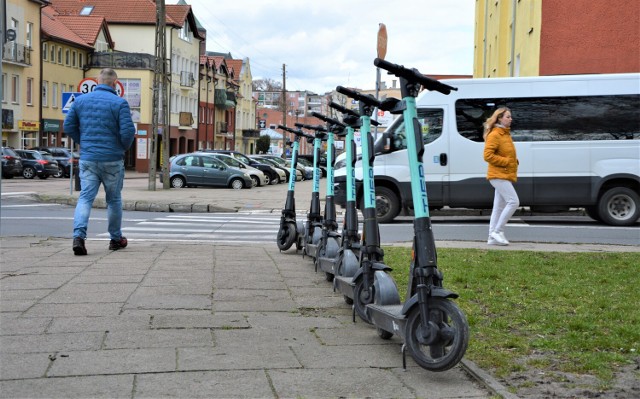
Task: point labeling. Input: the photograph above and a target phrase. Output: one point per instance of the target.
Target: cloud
(332, 42)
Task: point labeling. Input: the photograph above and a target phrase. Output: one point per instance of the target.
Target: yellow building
(246, 131)
(21, 74)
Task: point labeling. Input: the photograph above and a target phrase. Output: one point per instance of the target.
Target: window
(86, 10)
(80, 60)
(54, 95)
(67, 57)
(63, 87)
(45, 93)
(45, 51)
(3, 94)
(59, 55)
(430, 125)
(74, 59)
(15, 89)
(29, 91)
(29, 34)
(556, 118)
(52, 57)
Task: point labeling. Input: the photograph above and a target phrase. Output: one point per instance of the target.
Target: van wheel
(387, 205)
(619, 206)
(592, 212)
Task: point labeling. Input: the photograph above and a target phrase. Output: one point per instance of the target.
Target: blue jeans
(111, 175)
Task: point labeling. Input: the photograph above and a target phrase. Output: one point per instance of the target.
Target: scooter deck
(311, 250)
(345, 285)
(388, 318)
(328, 265)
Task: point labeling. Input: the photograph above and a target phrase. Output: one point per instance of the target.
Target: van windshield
(430, 120)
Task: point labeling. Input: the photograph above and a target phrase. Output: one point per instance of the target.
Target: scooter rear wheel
(286, 236)
(361, 299)
(443, 342)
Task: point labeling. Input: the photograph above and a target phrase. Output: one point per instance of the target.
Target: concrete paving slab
(209, 384)
(13, 324)
(112, 387)
(23, 365)
(114, 361)
(216, 321)
(291, 321)
(194, 302)
(111, 323)
(166, 338)
(73, 309)
(280, 305)
(50, 342)
(241, 356)
(25, 280)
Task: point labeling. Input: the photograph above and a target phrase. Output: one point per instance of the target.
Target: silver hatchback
(190, 170)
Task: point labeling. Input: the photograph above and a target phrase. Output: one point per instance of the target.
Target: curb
(486, 380)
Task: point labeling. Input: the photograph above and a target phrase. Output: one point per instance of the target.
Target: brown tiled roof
(77, 33)
(236, 67)
(87, 27)
(139, 12)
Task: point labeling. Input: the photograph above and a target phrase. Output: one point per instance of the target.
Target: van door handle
(443, 159)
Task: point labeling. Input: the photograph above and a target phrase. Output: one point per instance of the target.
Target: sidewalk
(176, 320)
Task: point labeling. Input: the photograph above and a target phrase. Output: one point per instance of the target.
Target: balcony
(121, 60)
(16, 53)
(250, 133)
(187, 79)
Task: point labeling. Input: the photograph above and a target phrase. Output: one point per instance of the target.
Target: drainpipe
(513, 36)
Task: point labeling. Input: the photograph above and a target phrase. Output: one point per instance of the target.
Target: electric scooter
(433, 328)
(371, 280)
(313, 227)
(291, 231)
(330, 243)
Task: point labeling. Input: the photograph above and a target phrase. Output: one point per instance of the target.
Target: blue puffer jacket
(100, 122)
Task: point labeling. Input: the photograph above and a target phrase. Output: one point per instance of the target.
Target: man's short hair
(107, 77)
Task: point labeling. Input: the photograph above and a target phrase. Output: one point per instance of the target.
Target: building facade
(21, 62)
(551, 37)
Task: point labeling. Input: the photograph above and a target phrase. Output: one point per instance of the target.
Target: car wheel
(255, 182)
(267, 180)
(28, 172)
(274, 180)
(177, 182)
(59, 173)
(236, 184)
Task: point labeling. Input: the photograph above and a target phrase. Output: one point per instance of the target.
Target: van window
(556, 118)
(430, 124)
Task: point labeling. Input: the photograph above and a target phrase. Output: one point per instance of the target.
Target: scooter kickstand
(404, 357)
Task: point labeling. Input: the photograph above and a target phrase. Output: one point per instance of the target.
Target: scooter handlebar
(413, 75)
(343, 110)
(317, 128)
(327, 119)
(298, 132)
(365, 98)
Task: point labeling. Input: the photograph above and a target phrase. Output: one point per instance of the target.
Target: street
(28, 217)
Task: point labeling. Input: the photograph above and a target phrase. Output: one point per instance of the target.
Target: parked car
(36, 163)
(65, 158)
(309, 165)
(11, 163)
(278, 163)
(197, 169)
(275, 176)
(258, 177)
(322, 163)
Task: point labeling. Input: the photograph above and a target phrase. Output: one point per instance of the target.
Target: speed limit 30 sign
(87, 85)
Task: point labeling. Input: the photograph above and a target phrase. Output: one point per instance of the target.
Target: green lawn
(570, 312)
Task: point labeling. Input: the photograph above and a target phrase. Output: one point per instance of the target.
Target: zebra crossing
(235, 228)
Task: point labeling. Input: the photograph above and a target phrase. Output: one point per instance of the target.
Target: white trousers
(505, 203)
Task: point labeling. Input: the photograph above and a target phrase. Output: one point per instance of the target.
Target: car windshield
(305, 162)
(231, 161)
(46, 156)
(10, 152)
(278, 161)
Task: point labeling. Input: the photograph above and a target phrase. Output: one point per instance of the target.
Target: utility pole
(159, 121)
(284, 106)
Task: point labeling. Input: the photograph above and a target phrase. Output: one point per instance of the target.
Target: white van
(577, 140)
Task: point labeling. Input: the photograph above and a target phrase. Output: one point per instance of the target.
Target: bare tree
(267, 84)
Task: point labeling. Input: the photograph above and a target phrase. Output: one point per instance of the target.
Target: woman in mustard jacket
(500, 153)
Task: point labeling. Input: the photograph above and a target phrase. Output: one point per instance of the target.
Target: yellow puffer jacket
(500, 153)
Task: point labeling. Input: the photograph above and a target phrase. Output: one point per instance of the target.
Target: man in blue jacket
(101, 123)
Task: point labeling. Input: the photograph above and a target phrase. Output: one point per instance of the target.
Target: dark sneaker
(78, 246)
(115, 245)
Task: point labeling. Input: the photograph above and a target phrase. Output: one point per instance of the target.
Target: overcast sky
(326, 43)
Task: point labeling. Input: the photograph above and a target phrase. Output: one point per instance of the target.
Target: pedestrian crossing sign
(68, 97)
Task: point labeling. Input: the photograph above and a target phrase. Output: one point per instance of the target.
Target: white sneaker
(491, 241)
(499, 238)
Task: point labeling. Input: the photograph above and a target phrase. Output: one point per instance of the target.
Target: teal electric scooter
(433, 328)
(371, 280)
(329, 245)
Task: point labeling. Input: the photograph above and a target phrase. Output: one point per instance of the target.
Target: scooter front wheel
(361, 297)
(441, 344)
(286, 236)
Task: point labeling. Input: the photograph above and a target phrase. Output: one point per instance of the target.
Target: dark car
(278, 163)
(36, 163)
(322, 162)
(274, 176)
(197, 169)
(11, 163)
(65, 158)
